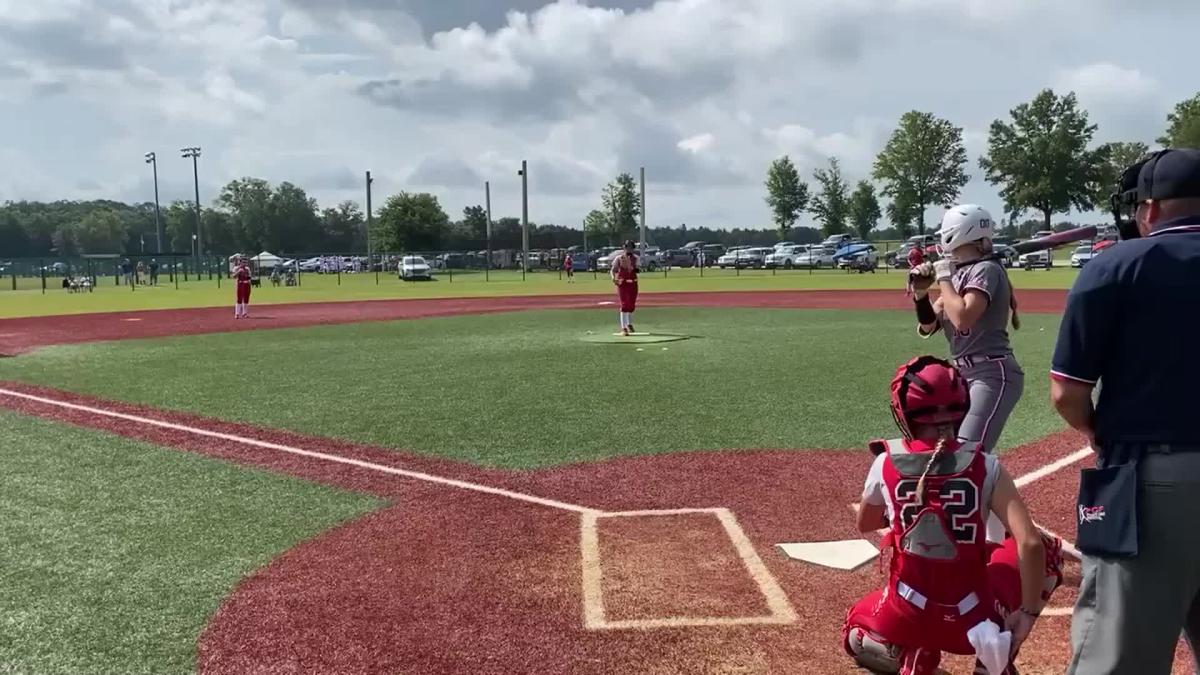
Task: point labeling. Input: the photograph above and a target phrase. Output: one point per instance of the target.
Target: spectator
(153, 273)
(1137, 510)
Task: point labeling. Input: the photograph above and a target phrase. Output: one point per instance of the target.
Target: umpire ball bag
(1106, 509)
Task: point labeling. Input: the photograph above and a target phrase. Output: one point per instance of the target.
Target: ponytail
(933, 458)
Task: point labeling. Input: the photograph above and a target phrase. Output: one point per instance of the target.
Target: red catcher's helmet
(928, 390)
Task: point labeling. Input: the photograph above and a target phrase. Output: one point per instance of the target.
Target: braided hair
(934, 456)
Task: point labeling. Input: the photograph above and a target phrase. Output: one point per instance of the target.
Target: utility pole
(487, 200)
(158, 228)
(370, 257)
(524, 219)
(642, 209)
(199, 235)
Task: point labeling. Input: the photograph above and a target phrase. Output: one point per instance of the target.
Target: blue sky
(440, 95)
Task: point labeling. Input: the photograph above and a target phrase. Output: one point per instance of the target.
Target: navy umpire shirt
(1132, 323)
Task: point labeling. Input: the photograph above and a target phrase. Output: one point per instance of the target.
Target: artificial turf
(523, 390)
(116, 552)
(109, 297)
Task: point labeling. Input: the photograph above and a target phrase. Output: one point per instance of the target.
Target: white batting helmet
(964, 224)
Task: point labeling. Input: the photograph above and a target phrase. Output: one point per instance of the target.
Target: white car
(1034, 259)
(785, 256)
(414, 267)
(817, 256)
(1082, 255)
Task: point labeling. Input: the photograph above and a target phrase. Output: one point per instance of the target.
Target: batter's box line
(781, 611)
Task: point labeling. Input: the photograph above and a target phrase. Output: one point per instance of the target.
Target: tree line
(1041, 159)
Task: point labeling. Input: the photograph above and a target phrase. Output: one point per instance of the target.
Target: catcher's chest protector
(940, 544)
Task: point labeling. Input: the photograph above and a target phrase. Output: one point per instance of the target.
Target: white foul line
(415, 475)
(1050, 468)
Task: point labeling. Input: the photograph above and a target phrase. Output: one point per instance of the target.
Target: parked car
(678, 257)
(414, 267)
(1083, 255)
(648, 260)
(784, 257)
(310, 265)
(1035, 259)
(710, 253)
(1008, 255)
(865, 260)
(816, 256)
(784, 244)
(837, 241)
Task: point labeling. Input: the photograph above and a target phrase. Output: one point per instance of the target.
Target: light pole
(197, 238)
(524, 173)
(370, 257)
(487, 199)
(152, 160)
(642, 210)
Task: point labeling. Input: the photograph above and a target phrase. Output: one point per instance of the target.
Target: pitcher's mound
(633, 338)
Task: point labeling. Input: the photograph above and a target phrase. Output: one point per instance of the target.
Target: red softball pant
(627, 293)
(243, 293)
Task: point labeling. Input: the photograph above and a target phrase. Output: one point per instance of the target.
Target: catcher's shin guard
(870, 651)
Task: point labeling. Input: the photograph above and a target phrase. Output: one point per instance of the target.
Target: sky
(441, 95)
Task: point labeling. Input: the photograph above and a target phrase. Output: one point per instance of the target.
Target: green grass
(321, 288)
(523, 390)
(116, 552)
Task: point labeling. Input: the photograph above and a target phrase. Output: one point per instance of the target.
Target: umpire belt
(916, 598)
(969, 361)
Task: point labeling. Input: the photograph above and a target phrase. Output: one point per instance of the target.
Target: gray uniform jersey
(989, 336)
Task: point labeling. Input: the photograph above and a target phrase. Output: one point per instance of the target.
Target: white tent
(266, 259)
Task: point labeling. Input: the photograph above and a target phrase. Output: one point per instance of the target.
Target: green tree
(923, 161)
(1183, 125)
(1115, 158)
(100, 231)
(830, 204)
(412, 222)
(623, 206)
(902, 213)
(293, 221)
(179, 221)
(342, 227)
(475, 222)
(1041, 159)
(248, 202)
(14, 239)
(787, 195)
(596, 224)
(864, 209)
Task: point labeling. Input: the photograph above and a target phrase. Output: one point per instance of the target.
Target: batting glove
(943, 270)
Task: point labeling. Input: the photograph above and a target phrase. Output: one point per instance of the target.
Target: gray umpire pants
(1131, 611)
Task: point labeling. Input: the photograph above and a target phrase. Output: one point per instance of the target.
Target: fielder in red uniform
(241, 308)
(569, 268)
(915, 257)
(625, 277)
(948, 588)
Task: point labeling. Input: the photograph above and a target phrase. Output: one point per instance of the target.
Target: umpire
(1138, 510)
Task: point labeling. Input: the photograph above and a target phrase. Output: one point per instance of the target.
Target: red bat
(1049, 241)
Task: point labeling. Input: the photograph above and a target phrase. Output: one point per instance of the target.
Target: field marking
(781, 611)
(415, 475)
(1038, 474)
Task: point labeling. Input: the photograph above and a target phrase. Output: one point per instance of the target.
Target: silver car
(817, 256)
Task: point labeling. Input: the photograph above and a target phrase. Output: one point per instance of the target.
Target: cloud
(696, 144)
(64, 43)
(438, 171)
(1106, 82)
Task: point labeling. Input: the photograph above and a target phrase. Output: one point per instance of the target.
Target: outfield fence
(87, 273)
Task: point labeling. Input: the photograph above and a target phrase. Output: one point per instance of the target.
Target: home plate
(843, 555)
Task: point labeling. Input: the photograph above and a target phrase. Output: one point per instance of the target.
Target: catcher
(948, 588)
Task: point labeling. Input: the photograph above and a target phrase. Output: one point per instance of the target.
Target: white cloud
(703, 93)
(698, 143)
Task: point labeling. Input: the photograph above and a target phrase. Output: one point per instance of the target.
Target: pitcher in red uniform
(948, 589)
(241, 272)
(625, 277)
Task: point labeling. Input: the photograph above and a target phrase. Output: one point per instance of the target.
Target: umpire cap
(1170, 174)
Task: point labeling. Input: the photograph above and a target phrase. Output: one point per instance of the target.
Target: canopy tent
(264, 259)
(853, 250)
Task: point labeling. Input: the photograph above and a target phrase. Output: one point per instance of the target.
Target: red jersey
(568, 263)
(625, 267)
(915, 256)
(242, 274)
(940, 546)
